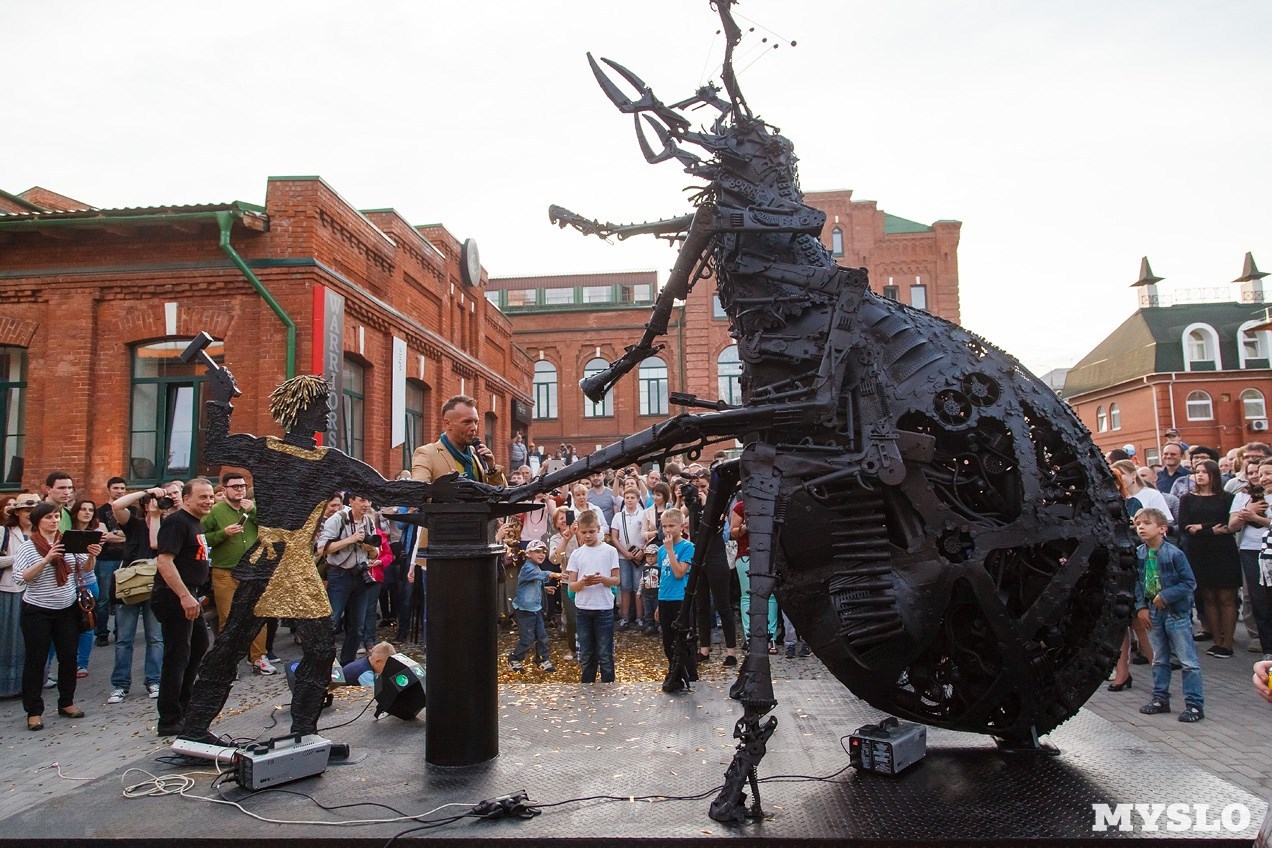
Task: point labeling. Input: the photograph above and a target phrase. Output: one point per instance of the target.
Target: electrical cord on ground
(367, 706)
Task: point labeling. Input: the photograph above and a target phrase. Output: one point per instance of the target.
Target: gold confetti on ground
(637, 658)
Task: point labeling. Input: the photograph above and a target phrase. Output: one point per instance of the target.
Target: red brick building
(99, 302)
(1199, 368)
(573, 325)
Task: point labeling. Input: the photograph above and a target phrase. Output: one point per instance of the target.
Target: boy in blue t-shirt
(527, 608)
(674, 558)
(1164, 589)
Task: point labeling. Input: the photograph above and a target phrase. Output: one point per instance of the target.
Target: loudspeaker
(399, 690)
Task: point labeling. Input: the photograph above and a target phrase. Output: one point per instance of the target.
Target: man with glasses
(231, 531)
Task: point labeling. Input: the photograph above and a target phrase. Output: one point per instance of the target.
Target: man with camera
(349, 540)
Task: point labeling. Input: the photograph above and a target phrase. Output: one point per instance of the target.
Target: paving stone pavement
(1232, 742)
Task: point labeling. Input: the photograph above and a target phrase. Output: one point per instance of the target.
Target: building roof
(564, 281)
(1150, 341)
(896, 224)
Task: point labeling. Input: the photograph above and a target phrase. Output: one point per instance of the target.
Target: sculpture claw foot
(730, 804)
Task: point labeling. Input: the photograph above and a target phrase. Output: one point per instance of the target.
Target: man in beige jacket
(454, 452)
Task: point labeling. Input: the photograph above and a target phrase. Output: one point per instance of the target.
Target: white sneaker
(117, 696)
(152, 689)
(263, 666)
(362, 652)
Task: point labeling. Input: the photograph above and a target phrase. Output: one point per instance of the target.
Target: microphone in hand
(485, 463)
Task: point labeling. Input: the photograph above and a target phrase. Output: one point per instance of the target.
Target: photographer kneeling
(349, 540)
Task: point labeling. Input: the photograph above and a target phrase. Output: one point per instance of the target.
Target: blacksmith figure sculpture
(935, 521)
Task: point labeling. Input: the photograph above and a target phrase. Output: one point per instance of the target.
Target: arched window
(652, 380)
(836, 242)
(1252, 345)
(545, 390)
(1201, 348)
(729, 369)
(1101, 420)
(1198, 407)
(13, 380)
(604, 409)
(353, 399)
(1115, 417)
(1253, 406)
(167, 413)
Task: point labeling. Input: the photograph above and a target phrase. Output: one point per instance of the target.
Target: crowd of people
(58, 604)
(610, 553)
(613, 553)
(1206, 555)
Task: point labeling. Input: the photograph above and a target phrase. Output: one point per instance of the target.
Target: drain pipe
(225, 220)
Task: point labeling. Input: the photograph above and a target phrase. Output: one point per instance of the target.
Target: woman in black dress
(1212, 553)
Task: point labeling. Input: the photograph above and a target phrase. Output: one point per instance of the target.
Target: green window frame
(13, 386)
(353, 402)
(166, 414)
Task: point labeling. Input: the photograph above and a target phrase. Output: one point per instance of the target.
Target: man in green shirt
(231, 529)
(59, 489)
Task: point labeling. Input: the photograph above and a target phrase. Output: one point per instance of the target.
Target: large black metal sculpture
(937, 524)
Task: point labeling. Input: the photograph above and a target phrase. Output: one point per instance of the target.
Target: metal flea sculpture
(935, 521)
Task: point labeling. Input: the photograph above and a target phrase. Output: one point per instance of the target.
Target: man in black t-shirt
(183, 560)
(111, 558)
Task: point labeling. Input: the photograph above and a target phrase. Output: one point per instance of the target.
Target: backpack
(135, 583)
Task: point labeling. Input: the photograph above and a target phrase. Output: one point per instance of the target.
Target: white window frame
(1194, 399)
(1210, 342)
(1262, 340)
(1101, 420)
(1115, 417)
(1255, 413)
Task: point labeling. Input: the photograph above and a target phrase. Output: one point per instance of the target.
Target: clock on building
(470, 263)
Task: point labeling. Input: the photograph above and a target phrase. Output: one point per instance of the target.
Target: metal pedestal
(462, 712)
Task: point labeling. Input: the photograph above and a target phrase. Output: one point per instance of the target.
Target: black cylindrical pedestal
(462, 711)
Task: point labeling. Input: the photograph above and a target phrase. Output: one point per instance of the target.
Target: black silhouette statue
(935, 521)
(293, 479)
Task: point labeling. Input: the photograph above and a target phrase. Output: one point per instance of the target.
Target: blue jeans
(1171, 634)
(348, 598)
(596, 644)
(105, 571)
(372, 617)
(530, 631)
(126, 617)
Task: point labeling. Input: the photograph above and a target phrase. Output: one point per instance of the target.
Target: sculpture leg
(724, 480)
(754, 686)
(216, 674)
(313, 675)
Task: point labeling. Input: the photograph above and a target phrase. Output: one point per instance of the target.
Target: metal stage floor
(567, 741)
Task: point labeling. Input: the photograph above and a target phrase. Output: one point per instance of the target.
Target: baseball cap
(536, 545)
(651, 549)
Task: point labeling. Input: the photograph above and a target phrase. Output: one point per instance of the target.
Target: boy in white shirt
(591, 572)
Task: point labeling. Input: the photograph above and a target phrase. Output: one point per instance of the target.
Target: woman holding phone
(84, 517)
(50, 615)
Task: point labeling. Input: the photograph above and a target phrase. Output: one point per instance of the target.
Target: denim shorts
(629, 575)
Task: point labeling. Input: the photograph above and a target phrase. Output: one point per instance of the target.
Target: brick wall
(79, 297)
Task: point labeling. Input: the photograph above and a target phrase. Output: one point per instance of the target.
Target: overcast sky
(1069, 138)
